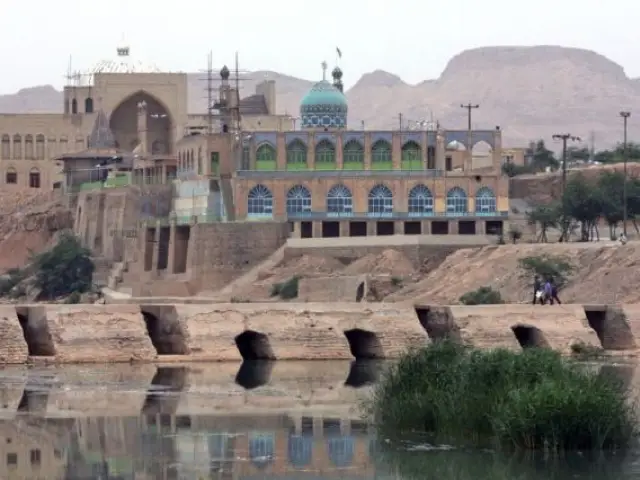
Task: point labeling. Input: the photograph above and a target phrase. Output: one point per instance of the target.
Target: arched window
(11, 176)
(411, 156)
(296, 155)
(266, 158)
(381, 156)
(457, 201)
(28, 147)
(339, 201)
(380, 201)
(40, 147)
(261, 448)
(325, 155)
(298, 200)
(5, 153)
(300, 450)
(485, 201)
(420, 201)
(64, 144)
(34, 178)
(74, 106)
(88, 105)
(17, 147)
(260, 202)
(353, 156)
(340, 450)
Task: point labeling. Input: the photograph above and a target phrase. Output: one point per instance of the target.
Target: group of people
(545, 291)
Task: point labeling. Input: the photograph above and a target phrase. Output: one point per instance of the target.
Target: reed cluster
(534, 400)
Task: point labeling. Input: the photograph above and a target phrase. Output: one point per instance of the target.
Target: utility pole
(565, 137)
(400, 118)
(625, 116)
(469, 107)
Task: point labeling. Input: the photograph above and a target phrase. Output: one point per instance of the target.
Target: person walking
(548, 292)
(554, 292)
(537, 287)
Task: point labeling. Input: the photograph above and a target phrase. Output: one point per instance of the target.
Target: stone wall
(296, 331)
(342, 288)
(221, 252)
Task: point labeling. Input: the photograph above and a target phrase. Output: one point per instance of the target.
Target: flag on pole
(339, 52)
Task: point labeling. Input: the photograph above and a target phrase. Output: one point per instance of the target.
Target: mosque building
(125, 121)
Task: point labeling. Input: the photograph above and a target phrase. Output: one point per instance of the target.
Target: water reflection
(281, 421)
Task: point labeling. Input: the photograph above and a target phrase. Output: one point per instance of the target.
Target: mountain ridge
(531, 92)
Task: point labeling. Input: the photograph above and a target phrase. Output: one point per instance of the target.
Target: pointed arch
(28, 147)
(420, 201)
(457, 201)
(297, 155)
(380, 201)
(74, 106)
(411, 156)
(339, 201)
(261, 449)
(340, 449)
(325, 155)
(298, 200)
(40, 146)
(17, 147)
(11, 176)
(123, 120)
(266, 158)
(486, 201)
(5, 152)
(381, 157)
(353, 156)
(34, 178)
(88, 105)
(300, 450)
(260, 202)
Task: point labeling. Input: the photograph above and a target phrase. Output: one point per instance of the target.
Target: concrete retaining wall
(296, 331)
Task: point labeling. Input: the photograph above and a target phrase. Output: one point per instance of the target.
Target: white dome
(123, 63)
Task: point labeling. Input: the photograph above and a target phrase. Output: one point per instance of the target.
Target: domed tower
(325, 106)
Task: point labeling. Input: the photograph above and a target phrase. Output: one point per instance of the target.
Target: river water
(266, 420)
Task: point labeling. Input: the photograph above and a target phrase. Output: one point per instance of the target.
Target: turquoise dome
(324, 106)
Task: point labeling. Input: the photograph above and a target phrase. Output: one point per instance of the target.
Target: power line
(469, 107)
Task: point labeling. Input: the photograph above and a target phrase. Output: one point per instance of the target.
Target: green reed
(531, 400)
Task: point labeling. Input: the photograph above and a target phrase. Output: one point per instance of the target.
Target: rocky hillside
(532, 92)
(604, 273)
(29, 222)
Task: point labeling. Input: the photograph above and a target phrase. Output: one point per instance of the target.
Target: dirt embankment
(603, 273)
(29, 221)
(389, 271)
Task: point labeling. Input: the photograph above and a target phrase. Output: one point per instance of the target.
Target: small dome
(324, 106)
(224, 73)
(123, 63)
(337, 73)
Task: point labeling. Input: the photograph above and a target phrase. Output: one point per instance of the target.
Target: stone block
(13, 347)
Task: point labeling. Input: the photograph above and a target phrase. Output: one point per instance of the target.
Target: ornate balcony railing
(338, 173)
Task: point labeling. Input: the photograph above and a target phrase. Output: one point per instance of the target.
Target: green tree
(63, 270)
(547, 266)
(581, 202)
(544, 217)
(541, 156)
(578, 153)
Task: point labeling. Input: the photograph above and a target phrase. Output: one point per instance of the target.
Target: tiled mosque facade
(329, 181)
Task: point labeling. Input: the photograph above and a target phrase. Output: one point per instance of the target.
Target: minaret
(142, 127)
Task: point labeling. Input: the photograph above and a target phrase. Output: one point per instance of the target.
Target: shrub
(529, 400)
(287, 289)
(8, 281)
(554, 266)
(481, 296)
(63, 270)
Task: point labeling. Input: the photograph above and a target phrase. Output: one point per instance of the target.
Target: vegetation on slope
(534, 400)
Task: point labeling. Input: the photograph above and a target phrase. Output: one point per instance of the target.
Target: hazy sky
(412, 38)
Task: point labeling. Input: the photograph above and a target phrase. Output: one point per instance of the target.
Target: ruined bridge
(296, 331)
